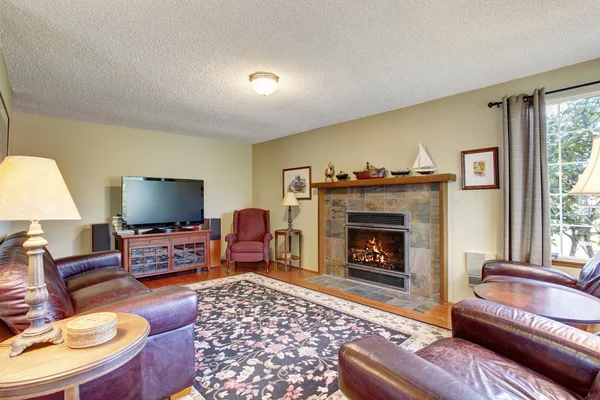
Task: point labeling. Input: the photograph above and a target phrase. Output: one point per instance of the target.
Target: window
(575, 219)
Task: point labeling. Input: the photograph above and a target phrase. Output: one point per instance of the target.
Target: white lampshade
(32, 189)
(589, 181)
(264, 83)
(289, 200)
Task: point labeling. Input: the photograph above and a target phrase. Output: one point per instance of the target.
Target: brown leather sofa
(96, 282)
(496, 352)
(588, 281)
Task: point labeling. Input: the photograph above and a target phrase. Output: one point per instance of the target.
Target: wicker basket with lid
(91, 330)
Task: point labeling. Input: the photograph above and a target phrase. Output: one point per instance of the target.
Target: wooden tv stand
(163, 253)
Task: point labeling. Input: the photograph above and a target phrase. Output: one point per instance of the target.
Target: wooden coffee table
(48, 369)
(552, 301)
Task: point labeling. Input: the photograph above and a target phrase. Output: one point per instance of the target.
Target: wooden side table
(53, 368)
(287, 239)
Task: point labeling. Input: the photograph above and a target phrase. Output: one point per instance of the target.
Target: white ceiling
(182, 65)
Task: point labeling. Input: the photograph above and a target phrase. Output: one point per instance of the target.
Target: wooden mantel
(442, 179)
(402, 180)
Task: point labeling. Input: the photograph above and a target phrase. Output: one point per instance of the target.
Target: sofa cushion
(93, 277)
(14, 265)
(491, 374)
(105, 292)
(75, 265)
(247, 247)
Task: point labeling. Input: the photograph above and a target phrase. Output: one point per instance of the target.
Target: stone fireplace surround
(423, 197)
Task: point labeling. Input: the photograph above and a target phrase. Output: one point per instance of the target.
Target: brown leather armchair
(250, 239)
(96, 282)
(588, 281)
(494, 352)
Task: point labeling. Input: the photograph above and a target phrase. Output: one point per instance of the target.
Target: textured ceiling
(182, 65)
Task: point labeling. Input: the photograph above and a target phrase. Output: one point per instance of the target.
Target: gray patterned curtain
(526, 195)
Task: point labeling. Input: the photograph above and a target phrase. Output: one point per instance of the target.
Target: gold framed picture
(480, 169)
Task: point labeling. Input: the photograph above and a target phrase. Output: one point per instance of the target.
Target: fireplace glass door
(378, 248)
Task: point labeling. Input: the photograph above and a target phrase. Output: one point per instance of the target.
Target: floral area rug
(260, 338)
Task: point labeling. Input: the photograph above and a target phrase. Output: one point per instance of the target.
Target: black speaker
(100, 237)
(213, 224)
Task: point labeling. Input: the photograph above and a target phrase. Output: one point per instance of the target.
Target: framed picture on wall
(480, 169)
(297, 180)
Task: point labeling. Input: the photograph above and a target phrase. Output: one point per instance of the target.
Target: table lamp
(290, 200)
(32, 189)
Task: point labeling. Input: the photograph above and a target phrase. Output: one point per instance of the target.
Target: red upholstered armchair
(250, 239)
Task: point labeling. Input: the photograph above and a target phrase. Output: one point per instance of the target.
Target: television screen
(162, 201)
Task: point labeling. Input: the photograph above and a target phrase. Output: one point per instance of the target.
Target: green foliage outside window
(575, 219)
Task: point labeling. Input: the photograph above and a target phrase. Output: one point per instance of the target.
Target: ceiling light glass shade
(264, 83)
(589, 181)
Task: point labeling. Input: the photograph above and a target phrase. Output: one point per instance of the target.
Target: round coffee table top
(556, 302)
(46, 369)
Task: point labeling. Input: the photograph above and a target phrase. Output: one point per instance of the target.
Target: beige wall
(6, 92)
(446, 126)
(93, 157)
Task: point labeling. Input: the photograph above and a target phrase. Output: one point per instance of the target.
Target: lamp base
(290, 219)
(36, 296)
(26, 339)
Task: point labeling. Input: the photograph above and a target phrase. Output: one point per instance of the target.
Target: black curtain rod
(499, 103)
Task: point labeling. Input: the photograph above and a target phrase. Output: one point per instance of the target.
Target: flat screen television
(161, 202)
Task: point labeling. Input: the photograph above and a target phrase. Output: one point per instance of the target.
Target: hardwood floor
(439, 315)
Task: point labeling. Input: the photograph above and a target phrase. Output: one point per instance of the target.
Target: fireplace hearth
(377, 246)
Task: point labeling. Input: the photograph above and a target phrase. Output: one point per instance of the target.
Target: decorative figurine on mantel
(342, 176)
(424, 164)
(329, 172)
(370, 172)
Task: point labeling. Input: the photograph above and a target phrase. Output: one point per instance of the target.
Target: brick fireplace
(421, 199)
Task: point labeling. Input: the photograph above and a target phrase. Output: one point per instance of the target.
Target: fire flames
(373, 254)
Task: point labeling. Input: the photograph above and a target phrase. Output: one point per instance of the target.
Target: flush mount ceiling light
(264, 83)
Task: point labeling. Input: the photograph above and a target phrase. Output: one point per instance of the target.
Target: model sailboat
(424, 164)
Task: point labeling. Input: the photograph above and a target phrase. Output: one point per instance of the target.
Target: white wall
(446, 126)
(93, 157)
